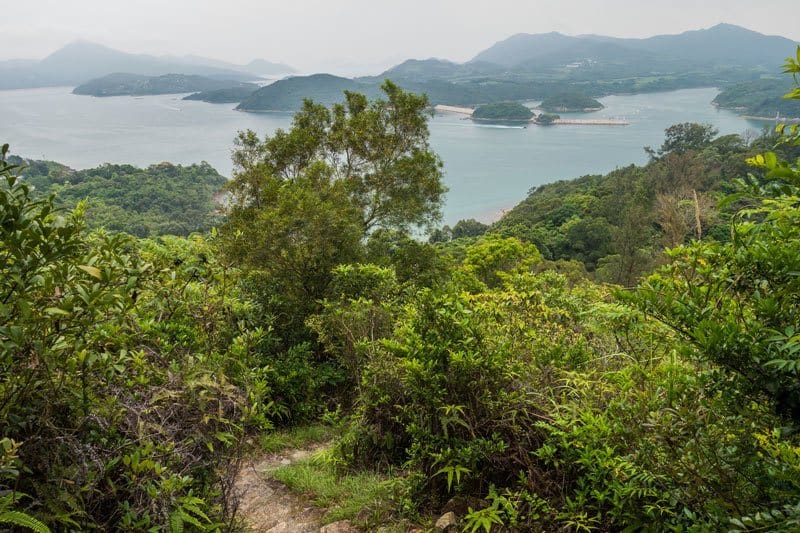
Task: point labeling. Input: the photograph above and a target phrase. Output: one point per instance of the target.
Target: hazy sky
(350, 36)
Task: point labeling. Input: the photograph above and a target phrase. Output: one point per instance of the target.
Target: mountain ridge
(80, 61)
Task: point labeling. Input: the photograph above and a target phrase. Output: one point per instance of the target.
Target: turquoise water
(487, 168)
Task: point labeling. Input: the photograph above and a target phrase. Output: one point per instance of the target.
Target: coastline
(737, 109)
(772, 119)
(590, 122)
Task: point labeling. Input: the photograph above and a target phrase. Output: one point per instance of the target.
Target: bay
(488, 169)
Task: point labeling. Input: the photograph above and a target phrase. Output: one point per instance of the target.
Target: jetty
(454, 109)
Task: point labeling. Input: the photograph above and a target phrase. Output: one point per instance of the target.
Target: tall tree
(304, 200)
(378, 149)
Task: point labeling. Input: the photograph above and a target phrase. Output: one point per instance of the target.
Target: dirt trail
(268, 506)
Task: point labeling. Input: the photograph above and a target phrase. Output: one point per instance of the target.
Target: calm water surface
(487, 168)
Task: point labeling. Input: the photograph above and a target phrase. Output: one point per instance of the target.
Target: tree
(469, 228)
(378, 149)
(303, 228)
(306, 199)
(680, 138)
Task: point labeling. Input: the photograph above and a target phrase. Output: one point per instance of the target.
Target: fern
(20, 519)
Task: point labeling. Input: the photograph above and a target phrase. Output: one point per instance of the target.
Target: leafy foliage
(117, 371)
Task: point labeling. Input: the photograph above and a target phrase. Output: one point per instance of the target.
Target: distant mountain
(524, 47)
(429, 69)
(288, 94)
(723, 45)
(262, 67)
(81, 61)
(258, 67)
(122, 84)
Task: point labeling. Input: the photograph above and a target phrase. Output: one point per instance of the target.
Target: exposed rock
(446, 521)
(460, 505)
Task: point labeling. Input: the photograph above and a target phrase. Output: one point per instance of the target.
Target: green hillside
(122, 84)
(157, 200)
(570, 101)
(760, 98)
(504, 111)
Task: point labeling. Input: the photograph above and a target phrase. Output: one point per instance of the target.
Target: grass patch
(362, 497)
(299, 437)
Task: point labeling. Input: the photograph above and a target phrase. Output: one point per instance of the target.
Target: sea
(488, 168)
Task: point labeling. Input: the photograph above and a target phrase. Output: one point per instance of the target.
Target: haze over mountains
(521, 67)
(81, 61)
(528, 67)
(721, 46)
(723, 43)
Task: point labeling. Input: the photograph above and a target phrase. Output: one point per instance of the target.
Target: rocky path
(269, 507)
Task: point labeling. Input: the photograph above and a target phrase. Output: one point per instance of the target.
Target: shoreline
(590, 122)
(772, 119)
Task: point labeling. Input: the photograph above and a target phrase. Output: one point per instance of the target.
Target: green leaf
(176, 522)
(771, 160)
(92, 271)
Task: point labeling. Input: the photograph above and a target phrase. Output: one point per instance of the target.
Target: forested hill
(157, 200)
(288, 94)
(760, 98)
(122, 84)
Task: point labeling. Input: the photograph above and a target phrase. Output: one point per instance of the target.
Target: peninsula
(125, 84)
(570, 102)
(543, 119)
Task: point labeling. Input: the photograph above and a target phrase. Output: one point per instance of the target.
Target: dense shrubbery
(488, 374)
(124, 371)
(523, 400)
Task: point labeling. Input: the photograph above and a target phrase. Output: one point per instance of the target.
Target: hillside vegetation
(231, 95)
(505, 111)
(488, 375)
(760, 98)
(289, 94)
(160, 199)
(570, 101)
(122, 84)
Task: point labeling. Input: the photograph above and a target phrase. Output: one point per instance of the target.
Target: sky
(356, 36)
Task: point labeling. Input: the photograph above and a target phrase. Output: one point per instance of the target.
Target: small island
(124, 84)
(503, 112)
(570, 102)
